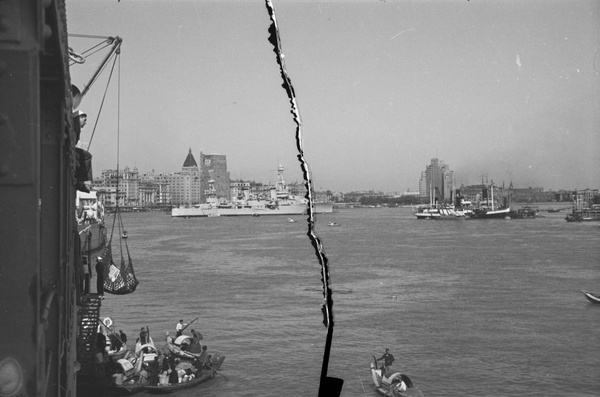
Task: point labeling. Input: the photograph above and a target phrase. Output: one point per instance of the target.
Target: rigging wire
(97, 48)
(81, 57)
(116, 56)
(88, 36)
(114, 50)
(121, 228)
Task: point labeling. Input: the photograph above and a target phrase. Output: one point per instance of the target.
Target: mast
(492, 188)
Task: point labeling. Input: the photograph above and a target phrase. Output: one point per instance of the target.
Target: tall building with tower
(437, 182)
(185, 185)
(213, 168)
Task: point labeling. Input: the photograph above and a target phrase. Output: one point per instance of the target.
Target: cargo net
(118, 280)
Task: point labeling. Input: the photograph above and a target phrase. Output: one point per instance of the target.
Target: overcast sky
(508, 90)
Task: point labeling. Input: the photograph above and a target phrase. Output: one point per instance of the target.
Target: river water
(468, 308)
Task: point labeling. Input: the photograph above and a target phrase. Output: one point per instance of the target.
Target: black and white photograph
(336, 198)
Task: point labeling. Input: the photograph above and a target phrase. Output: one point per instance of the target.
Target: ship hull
(92, 237)
(491, 214)
(254, 210)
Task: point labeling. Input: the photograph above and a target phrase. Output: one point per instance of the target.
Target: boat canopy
(182, 338)
(148, 346)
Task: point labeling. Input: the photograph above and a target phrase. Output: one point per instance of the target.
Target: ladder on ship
(89, 319)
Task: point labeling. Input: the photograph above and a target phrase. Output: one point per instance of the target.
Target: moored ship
(281, 202)
(487, 209)
(583, 211)
(438, 213)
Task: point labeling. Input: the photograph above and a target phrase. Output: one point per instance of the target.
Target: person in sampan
(179, 328)
(388, 359)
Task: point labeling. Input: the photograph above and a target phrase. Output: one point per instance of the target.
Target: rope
(115, 57)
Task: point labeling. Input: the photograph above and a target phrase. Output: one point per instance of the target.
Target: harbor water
(468, 308)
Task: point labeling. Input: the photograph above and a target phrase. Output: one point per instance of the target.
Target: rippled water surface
(468, 308)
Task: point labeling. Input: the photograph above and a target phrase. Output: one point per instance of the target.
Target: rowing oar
(182, 329)
(219, 372)
(114, 333)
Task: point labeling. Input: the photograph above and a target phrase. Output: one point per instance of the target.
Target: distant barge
(586, 214)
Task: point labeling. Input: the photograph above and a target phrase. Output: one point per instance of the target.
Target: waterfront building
(148, 193)
(438, 181)
(185, 185)
(213, 167)
(588, 195)
(408, 193)
(475, 193)
(157, 188)
(107, 195)
(355, 196)
(126, 182)
(528, 195)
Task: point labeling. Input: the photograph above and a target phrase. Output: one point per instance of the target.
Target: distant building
(185, 185)
(357, 195)
(155, 188)
(437, 181)
(125, 183)
(410, 194)
(528, 195)
(213, 167)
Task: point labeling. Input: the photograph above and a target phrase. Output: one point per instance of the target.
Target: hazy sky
(504, 89)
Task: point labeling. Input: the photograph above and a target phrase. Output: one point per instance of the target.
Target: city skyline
(504, 89)
(484, 179)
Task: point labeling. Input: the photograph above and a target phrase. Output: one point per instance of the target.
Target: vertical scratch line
(327, 307)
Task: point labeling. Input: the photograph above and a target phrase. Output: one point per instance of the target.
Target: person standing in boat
(198, 365)
(165, 365)
(388, 359)
(123, 337)
(173, 376)
(179, 328)
(196, 336)
(154, 368)
(143, 336)
(204, 357)
(196, 345)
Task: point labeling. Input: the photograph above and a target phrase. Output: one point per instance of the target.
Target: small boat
(334, 224)
(132, 385)
(594, 298)
(393, 384)
(132, 365)
(290, 220)
(207, 374)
